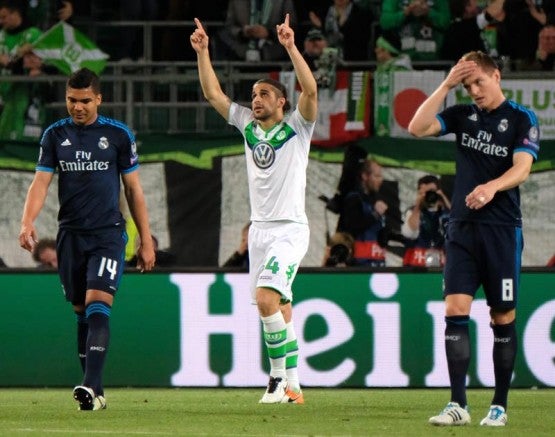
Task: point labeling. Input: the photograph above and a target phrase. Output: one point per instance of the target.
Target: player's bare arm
(208, 80)
(424, 122)
(34, 202)
(308, 99)
(514, 176)
(137, 206)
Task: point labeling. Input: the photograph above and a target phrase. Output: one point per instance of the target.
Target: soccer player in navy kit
(497, 142)
(90, 152)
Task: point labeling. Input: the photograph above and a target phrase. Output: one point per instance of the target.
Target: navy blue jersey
(486, 142)
(89, 160)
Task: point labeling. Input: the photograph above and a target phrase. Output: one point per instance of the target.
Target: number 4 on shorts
(272, 265)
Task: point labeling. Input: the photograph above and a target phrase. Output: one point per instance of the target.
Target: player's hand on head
(199, 38)
(459, 72)
(285, 34)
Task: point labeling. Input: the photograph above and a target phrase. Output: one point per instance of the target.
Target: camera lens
(431, 197)
(339, 253)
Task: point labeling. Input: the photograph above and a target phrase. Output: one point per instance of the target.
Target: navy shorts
(487, 255)
(90, 262)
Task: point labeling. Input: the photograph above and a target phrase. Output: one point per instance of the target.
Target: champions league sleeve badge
(263, 155)
(533, 134)
(134, 156)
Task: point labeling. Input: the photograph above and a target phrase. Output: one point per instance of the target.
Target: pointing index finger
(199, 24)
(286, 22)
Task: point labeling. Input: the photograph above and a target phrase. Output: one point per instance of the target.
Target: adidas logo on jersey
(66, 142)
(473, 117)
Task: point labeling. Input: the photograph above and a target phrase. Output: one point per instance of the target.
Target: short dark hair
(14, 5)
(428, 179)
(41, 245)
(366, 166)
(84, 78)
(280, 87)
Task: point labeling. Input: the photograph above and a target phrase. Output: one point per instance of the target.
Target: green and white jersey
(276, 164)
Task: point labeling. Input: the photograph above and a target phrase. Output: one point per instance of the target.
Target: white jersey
(276, 164)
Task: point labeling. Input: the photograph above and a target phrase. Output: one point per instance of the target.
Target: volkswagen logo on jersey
(103, 143)
(503, 125)
(263, 155)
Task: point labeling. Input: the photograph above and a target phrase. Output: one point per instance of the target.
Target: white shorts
(276, 250)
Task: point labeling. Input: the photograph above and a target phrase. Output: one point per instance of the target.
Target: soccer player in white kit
(276, 147)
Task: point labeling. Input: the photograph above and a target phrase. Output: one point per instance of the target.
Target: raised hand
(285, 34)
(199, 38)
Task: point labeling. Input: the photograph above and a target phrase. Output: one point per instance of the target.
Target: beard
(262, 115)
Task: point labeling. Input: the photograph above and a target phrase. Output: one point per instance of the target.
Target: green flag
(67, 49)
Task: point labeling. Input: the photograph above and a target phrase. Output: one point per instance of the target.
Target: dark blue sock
(457, 349)
(82, 333)
(504, 352)
(98, 316)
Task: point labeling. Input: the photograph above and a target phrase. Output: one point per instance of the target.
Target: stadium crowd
(395, 34)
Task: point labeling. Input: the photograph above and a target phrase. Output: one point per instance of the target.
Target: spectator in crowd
(240, 258)
(276, 158)
(472, 28)
(2, 263)
(313, 46)
(339, 250)
(250, 30)
(363, 216)
(164, 258)
(15, 38)
(321, 59)
(354, 158)
(424, 225)
(421, 25)
(389, 59)
(546, 48)
(347, 28)
(518, 33)
(44, 253)
(551, 262)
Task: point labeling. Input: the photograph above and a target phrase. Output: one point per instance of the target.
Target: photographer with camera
(363, 216)
(424, 225)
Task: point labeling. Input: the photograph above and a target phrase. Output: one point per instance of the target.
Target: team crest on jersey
(503, 125)
(103, 143)
(281, 135)
(263, 155)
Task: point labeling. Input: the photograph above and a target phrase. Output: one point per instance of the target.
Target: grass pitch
(234, 412)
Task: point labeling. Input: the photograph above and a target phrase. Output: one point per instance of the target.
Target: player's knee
(267, 301)
(502, 317)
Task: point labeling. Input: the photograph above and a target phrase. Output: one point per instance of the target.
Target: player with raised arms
(277, 143)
